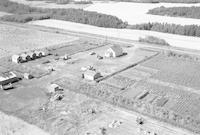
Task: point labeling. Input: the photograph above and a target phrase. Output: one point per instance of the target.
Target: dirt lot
(17, 39)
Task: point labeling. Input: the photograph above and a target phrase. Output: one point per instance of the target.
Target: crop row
(106, 93)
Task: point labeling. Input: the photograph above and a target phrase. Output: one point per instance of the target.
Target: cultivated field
(17, 39)
(172, 39)
(135, 13)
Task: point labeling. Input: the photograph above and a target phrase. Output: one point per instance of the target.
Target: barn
(16, 59)
(114, 51)
(25, 57)
(7, 77)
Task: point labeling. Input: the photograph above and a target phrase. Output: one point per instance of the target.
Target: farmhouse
(16, 59)
(8, 77)
(114, 51)
(91, 75)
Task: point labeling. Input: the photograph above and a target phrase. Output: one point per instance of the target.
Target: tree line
(24, 13)
(187, 30)
(188, 12)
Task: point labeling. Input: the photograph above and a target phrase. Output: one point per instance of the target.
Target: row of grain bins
(27, 56)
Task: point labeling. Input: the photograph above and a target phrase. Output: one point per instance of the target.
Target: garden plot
(16, 39)
(176, 71)
(119, 81)
(177, 100)
(139, 12)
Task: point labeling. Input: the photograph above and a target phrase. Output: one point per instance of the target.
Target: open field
(14, 39)
(173, 40)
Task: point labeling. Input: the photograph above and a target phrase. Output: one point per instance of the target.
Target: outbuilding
(91, 75)
(28, 76)
(114, 51)
(38, 54)
(7, 77)
(16, 59)
(25, 57)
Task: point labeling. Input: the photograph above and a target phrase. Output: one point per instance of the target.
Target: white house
(91, 75)
(16, 59)
(114, 51)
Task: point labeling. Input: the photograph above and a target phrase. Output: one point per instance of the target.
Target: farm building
(28, 76)
(32, 55)
(16, 59)
(91, 75)
(25, 57)
(114, 51)
(8, 77)
(38, 54)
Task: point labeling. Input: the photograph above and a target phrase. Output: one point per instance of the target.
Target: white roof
(7, 75)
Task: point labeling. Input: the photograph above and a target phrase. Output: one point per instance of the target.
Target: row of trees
(24, 13)
(188, 12)
(188, 30)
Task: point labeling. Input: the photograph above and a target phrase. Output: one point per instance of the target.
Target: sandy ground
(14, 39)
(11, 125)
(172, 39)
(135, 13)
(43, 4)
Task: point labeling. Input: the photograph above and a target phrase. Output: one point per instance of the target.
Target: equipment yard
(79, 85)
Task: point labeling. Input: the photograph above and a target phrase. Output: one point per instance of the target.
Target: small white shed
(53, 88)
(91, 75)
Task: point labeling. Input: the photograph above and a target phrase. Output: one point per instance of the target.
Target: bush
(153, 40)
(187, 30)
(188, 12)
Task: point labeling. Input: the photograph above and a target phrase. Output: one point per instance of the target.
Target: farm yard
(70, 78)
